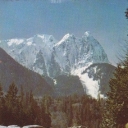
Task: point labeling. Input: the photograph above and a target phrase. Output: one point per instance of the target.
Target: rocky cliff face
(49, 57)
(11, 71)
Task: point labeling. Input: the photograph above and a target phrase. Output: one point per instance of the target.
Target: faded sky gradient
(105, 19)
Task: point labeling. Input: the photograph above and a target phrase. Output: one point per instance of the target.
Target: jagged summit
(11, 71)
(44, 37)
(47, 56)
(87, 33)
(67, 38)
(43, 52)
(15, 41)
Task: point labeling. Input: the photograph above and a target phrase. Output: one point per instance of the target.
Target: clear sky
(105, 19)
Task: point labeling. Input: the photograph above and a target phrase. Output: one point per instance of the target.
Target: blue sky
(105, 19)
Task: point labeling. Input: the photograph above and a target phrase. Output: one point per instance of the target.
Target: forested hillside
(24, 109)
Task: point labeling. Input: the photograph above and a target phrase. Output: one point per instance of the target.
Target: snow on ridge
(55, 81)
(71, 54)
(87, 33)
(29, 43)
(79, 70)
(44, 37)
(95, 68)
(67, 36)
(15, 41)
(91, 86)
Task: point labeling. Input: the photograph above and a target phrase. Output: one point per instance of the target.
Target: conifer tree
(12, 105)
(45, 104)
(1, 104)
(116, 114)
(116, 109)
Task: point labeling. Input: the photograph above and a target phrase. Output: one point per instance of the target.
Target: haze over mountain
(69, 56)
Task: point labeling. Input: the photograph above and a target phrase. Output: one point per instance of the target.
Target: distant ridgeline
(71, 65)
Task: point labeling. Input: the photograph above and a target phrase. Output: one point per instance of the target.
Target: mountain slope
(11, 71)
(96, 78)
(69, 56)
(74, 53)
(68, 85)
(43, 53)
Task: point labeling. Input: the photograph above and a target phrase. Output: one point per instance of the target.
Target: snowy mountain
(33, 53)
(42, 53)
(73, 54)
(96, 77)
(11, 71)
(49, 57)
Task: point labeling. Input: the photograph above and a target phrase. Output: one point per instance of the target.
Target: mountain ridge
(11, 71)
(45, 55)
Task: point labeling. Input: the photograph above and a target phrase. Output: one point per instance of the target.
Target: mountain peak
(44, 37)
(87, 33)
(67, 38)
(15, 41)
(46, 56)
(20, 75)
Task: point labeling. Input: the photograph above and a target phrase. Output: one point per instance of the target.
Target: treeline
(21, 108)
(76, 111)
(24, 109)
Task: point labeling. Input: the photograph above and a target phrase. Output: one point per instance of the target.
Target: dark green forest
(17, 107)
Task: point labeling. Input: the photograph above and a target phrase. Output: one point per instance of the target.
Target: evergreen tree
(30, 108)
(22, 116)
(12, 105)
(45, 115)
(1, 91)
(116, 114)
(1, 104)
(116, 109)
